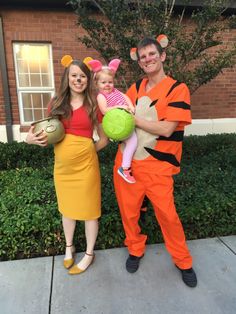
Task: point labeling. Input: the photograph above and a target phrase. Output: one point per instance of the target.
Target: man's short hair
(147, 41)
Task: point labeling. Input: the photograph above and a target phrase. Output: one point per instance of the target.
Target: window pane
(46, 99)
(46, 80)
(23, 80)
(35, 80)
(45, 113)
(38, 114)
(22, 66)
(34, 66)
(26, 101)
(44, 66)
(37, 102)
(28, 116)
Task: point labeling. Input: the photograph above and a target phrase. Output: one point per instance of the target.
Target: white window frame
(32, 90)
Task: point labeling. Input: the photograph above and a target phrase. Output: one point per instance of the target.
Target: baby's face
(105, 83)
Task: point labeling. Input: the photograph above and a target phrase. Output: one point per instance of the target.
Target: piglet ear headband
(67, 59)
(162, 41)
(97, 66)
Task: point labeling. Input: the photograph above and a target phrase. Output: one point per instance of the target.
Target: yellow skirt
(77, 178)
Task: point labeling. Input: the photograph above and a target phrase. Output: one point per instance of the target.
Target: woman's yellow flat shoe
(75, 270)
(67, 263)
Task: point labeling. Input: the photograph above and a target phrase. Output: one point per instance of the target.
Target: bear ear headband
(67, 59)
(162, 41)
(97, 66)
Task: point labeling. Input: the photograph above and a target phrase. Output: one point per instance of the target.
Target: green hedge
(19, 155)
(30, 225)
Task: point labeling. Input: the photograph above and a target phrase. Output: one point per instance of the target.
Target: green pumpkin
(118, 124)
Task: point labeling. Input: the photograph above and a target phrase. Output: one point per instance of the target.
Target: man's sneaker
(189, 276)
(126, 174)
(132, 263)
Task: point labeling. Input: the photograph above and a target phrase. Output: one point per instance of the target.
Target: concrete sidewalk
(42, 285)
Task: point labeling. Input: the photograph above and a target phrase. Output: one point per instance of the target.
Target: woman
(76, 168)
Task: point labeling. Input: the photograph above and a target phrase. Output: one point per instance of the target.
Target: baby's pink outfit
(115, 98)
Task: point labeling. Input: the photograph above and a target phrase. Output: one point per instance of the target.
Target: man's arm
(161, 128)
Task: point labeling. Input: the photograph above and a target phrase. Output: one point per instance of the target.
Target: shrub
(30, 224)
(18, 155)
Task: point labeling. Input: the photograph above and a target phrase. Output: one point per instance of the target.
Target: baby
(109, 98)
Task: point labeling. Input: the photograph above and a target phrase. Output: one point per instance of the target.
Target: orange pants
(159, 190)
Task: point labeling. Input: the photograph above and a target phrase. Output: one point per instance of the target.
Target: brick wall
(217, 99)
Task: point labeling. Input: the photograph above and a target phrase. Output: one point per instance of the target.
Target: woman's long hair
(60, 104)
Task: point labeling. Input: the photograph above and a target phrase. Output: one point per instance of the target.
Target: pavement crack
(51, 286)
(227, 245)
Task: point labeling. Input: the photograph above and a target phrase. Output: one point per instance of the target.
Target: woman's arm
(38, 138)
(103, 139)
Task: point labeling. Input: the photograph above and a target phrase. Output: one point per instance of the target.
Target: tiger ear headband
(162, 41)
(67, 60)
(97, 66)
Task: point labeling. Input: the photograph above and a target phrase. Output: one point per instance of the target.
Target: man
(162, 112)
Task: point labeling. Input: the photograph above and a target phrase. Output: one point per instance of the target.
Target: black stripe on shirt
(179, 104)
(177, 136)
(137, 84)
(173, 87)
(153, 103)
(170, 158)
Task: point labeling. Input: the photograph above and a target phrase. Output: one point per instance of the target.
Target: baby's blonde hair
(104, 70)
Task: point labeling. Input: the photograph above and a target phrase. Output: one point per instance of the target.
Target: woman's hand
(37, 138)
(103, 139)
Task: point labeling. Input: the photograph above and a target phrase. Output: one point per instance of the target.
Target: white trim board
(198, 127)
(17, 135)
(211, 126)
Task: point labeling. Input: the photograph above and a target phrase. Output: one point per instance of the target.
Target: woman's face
(78, 80)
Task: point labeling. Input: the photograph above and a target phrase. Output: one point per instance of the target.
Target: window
(34, 77)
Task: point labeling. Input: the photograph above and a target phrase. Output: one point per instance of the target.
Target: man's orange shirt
(169, 100)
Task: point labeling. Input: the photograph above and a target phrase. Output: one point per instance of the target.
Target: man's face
(150, 59)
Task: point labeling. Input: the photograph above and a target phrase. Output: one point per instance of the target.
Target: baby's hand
(125, 107)
(131, 110)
